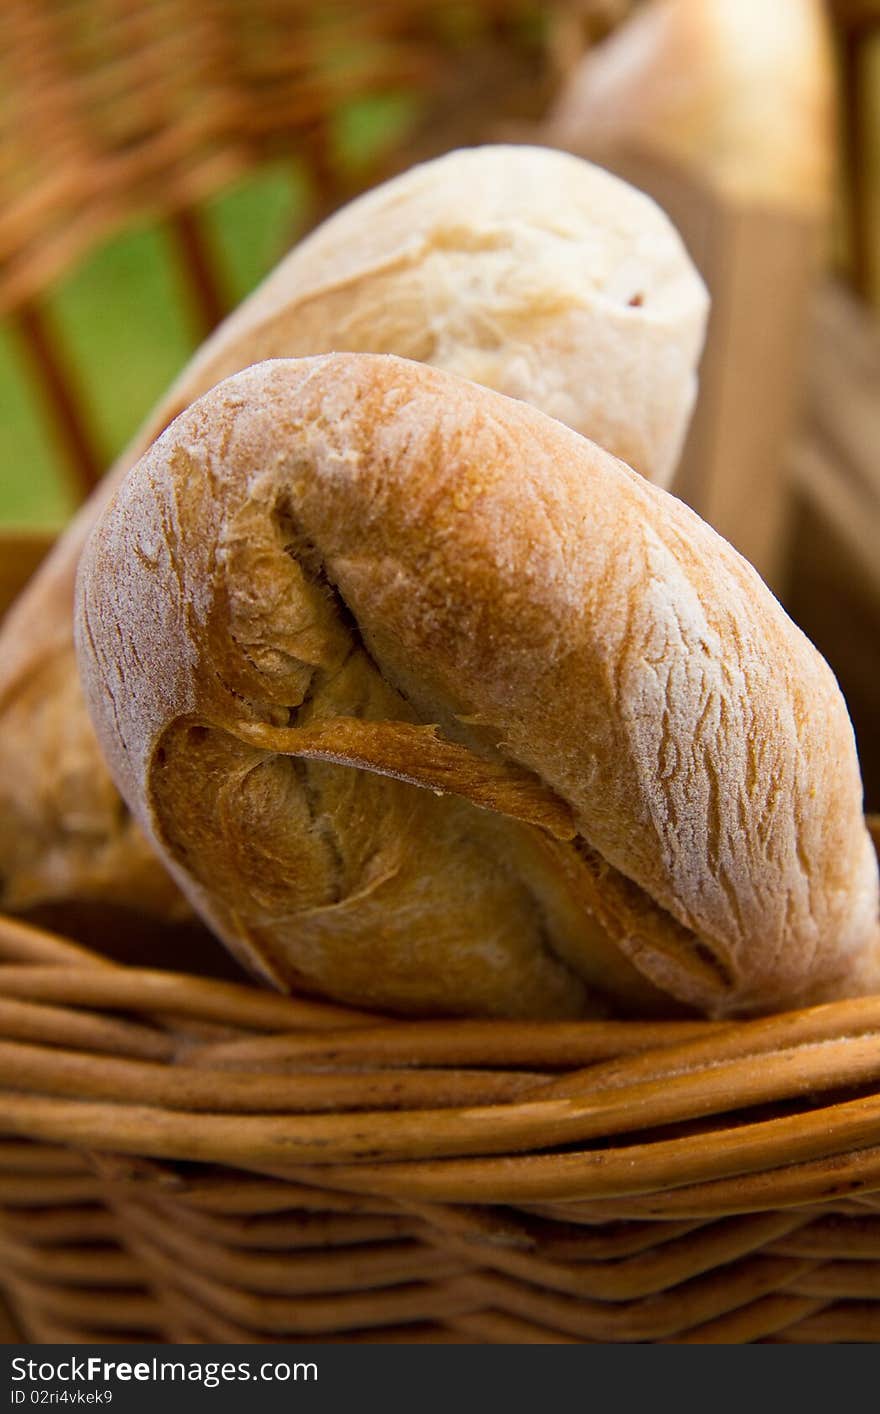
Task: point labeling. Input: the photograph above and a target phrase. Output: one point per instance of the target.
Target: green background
(123, 320)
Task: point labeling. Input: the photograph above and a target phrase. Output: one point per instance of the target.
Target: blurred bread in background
(738, 91)
(724, 110)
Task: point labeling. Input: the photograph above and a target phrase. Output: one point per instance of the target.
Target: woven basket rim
(167, 1067)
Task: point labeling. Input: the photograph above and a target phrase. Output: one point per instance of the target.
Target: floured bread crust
(648, 774)
(525, 269)
(739, 91)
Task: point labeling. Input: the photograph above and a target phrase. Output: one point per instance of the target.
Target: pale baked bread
(526, 269)
(740, 91)
(332, 572)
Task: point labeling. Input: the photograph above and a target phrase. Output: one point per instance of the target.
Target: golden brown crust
(514, 266)
(739, 91)
(357, 536)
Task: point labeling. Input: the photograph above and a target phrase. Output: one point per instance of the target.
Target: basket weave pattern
(187, 1159)
(145, 107)
(141, 110)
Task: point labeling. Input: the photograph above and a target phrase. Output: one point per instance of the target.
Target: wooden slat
(57, 383)
(21, 551)
(833, 573)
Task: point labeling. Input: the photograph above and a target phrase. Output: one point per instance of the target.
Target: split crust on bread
(336, 586)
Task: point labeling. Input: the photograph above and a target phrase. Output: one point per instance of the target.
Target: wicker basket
(184, 1157)
(190, 1159)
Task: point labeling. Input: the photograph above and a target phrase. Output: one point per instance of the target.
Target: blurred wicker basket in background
(184, 1157)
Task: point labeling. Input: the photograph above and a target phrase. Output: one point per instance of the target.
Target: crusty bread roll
(526, 269)
(338, 585)
(740, 91)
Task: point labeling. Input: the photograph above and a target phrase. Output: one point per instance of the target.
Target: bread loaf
(739, 91)
(429, 703)
(530, 271)
(526, 269)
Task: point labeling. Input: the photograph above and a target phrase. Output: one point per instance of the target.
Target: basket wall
(188, 1159)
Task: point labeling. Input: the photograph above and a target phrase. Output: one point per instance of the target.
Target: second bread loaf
(525, 269)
